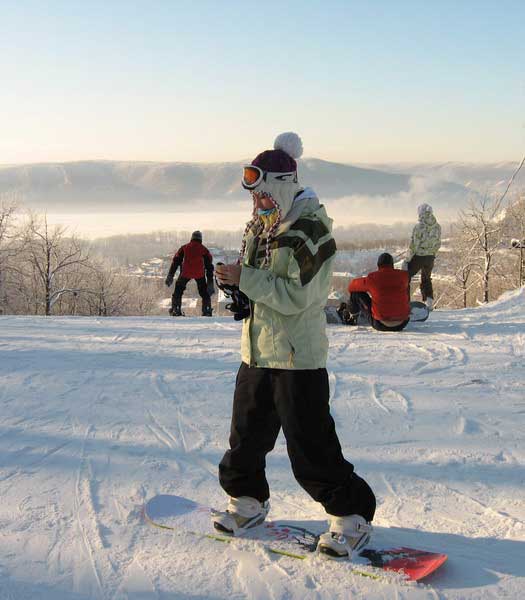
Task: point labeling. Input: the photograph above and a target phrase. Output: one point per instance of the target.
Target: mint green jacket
(286, 328)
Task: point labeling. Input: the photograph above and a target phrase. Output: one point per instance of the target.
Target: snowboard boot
(176, 311)
(241, 514)
(207, 311)
(430, 303)
(346, 535)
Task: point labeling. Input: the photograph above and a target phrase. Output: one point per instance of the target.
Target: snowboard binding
(347, 318)
(240, 305)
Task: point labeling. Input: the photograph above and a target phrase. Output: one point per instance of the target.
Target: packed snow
(98, 415)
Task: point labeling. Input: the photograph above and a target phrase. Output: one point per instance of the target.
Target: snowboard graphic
(418, 311)
(288, 539)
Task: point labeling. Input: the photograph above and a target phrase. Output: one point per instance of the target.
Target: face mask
(265, 212)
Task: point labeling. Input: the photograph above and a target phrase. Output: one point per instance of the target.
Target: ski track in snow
(98, 415)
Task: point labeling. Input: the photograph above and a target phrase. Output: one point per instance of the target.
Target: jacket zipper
(251, 263)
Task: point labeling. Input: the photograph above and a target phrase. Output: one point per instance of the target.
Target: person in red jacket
(194, 260)
(381, 297)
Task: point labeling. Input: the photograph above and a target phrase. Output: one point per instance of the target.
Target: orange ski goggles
(253, 176)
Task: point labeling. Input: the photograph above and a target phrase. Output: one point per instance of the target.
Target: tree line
(483, 259)
(45, 270)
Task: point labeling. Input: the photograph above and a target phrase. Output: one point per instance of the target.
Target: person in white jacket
(424, 245)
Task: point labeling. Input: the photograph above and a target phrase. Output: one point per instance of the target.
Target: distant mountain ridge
(481, 177)
(99, 185)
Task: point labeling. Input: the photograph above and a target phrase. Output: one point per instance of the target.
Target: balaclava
(280, 188)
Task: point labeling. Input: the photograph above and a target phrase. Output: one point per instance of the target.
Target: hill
(98, 415)
(479, 177)
(112, 186)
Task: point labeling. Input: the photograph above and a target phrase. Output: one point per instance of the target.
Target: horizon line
(225, 162)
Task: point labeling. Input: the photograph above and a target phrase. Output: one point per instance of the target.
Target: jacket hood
(305, 203)
(427, 218)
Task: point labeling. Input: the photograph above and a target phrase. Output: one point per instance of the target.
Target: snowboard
(418, 311)
(289, 538)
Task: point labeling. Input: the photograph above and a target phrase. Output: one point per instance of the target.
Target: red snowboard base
(415, 564)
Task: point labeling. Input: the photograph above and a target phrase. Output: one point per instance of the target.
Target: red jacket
(194, 258)
(388, 288)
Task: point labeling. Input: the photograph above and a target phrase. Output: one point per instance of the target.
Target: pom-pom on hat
(287, 147)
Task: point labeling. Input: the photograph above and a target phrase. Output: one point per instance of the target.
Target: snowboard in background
(418, 311)
(287, 538)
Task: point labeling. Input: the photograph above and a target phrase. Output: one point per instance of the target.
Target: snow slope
(98, 415)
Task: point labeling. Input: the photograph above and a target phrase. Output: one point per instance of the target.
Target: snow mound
(511, 301)
(99, 415)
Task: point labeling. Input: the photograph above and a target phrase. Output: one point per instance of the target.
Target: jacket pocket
(291, 345)
(291, 357)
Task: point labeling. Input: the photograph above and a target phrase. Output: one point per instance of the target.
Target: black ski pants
(180, 286)
(296, 400)
(425, 264)
(360, 302)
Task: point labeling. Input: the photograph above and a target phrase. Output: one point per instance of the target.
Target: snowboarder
(381, 297)
(424, 245)
(194, 260)
(285, 271)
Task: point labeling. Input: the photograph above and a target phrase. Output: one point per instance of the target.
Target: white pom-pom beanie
(290, 143)
(287, 147)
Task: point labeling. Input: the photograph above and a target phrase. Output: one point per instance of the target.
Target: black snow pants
(296, 400)
(360, 302)
(180, 286)
(425, 264)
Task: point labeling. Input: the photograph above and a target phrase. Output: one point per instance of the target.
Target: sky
(207, 81)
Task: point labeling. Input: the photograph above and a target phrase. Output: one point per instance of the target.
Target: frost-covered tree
(482, 231)
(515, 229)
(463, 266)
(10, 247)
(105, 290)
(51, 258)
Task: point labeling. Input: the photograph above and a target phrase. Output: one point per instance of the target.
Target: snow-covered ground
(98, 415)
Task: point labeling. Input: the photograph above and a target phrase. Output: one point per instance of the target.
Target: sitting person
(381, 297)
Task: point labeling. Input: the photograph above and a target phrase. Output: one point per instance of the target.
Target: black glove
(240, 305)
(169, 280)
